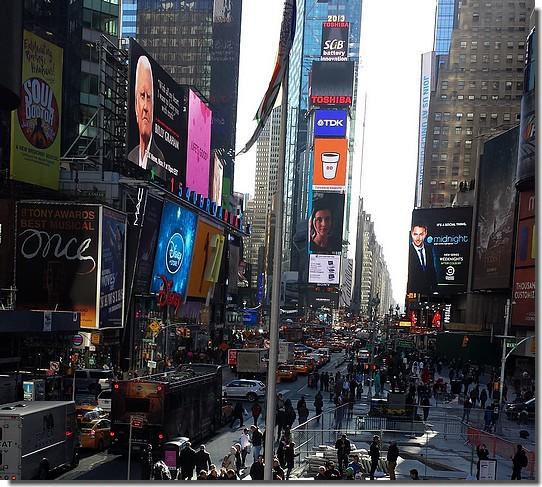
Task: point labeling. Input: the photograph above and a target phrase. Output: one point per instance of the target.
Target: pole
(270, 413)
(129, 449)
(73, 382)
(503, 358)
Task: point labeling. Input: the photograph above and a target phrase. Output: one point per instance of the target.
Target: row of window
(467, 157)
(454, 184)
(495, 5)
(445, 117)
(444, 96)
(496, 44)
(484, 85)
(473, 58)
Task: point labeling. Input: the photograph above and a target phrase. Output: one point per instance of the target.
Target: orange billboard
(204, 259)
(329, 164)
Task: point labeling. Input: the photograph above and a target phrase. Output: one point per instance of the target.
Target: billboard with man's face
(439, 250)
(326, 223)
(156, 125)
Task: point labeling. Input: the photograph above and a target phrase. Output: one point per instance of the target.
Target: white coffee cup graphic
(330, 162)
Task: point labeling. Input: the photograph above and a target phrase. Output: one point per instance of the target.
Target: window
(468, 130)
(434, 173)
(444, 96)
(508, 85)
(494, 116)
(506, 117)
(510, 45)
(473, 58)
(442, 185)
(434, 157)
(495, 85)
(519, 58)
(458, 130)
(433, 181)
(463, 44)
(483, 116)
(521, 45)
(444, 85)
(509, 58)
(497, 44)
(444, 144)
(496, 58)
(438, 116)
(458, 116)
(466, 171)
(466, 158)
(446, 116)
(455, 171)
(462, 58)
(475, 18)
(444, 157)
(461, 85)
(483, 97)
(472, 84)
(471, 97)
(519, 85)
(468, 144)
(470, 116)
(436, 130)
(460, 97)
(485, 58)
(445, 130)
(442, 172)
(453, 184)
(487, 44)
(474, 44)
(484, 85)
(435, 143)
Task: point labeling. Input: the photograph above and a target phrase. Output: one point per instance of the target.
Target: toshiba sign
(331, 100)
(331, 83)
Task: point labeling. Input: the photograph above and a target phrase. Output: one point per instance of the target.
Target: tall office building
(306, 49)
(198, 44)
(472, 85)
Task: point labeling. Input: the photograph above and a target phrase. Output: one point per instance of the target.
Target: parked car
(93, 380)
(521, 411)
(104, 400)
(286, 373)
(88, 412)
(244, 389)
(95, 434)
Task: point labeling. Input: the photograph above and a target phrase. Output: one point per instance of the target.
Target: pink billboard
(199, 145)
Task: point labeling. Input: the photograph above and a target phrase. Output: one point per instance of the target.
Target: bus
(185, 402)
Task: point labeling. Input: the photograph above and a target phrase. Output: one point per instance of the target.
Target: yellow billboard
(35, 125)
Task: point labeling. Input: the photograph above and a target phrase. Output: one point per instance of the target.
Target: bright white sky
(394, 34)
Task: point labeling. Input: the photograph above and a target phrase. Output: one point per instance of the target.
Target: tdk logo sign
(174, 253)
(329, 123)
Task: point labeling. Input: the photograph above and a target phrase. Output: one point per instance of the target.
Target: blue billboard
(175, 248)
(330, 123)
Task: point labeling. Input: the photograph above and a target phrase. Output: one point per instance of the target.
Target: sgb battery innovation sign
(330, 123)
(334, 41)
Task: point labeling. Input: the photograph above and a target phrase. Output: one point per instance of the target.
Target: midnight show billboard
(156, 121)
(439, 250)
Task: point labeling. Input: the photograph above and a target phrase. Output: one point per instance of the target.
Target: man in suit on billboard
(146, 152)
(422, 277)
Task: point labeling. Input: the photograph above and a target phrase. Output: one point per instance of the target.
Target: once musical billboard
(35, 125)
(439, 250)
(156, 125)
(326, 223)
(330, 163)
(334, 41)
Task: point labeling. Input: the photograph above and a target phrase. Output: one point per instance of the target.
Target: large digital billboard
(330, 123)
(495, 215)
(439, 250)
(198, 158)
(330, 163)
(156, 124)
(57, 258)
(332, 83)
(218, 175)
(174, 250)
(334, 41)
(35, 125)
(324, 269)
(326, 223)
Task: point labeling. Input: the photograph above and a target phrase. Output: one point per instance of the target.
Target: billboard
(156, 123)
(112, 272)
(35, 125)
(58, 258)
(331, 83)
(323, 297)
(495, 216)
(334, 41)
(523, 305)
(7, 242)
(218, 175)
(204, 259)
(324, 269)
(175, 248)
(330, 123)
(329, 164)
(198, 151)
(439, 250)
(326, 223)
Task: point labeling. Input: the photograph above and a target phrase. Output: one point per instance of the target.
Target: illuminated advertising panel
(324, 269)
(156, 124)
(330, 164)
(334, 41)
(218, 175)
(331, 83)
(198, 145)
(330, 123)
(439, 250)
(174, 250)
(35, 125)
(326, 223)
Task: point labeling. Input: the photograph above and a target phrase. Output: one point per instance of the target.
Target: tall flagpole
(270, 414)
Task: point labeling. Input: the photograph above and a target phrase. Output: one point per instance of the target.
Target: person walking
(237, 414)
(425, 407)
(519, 461)
(202, 459)
(289, 456)
(257, 442)
(238, 458)
(467, 406)
(244, 440)
(488, 417)
(290, 414)
(483, 398)
(343, 447)
(391, 458)
(256, 411)
(187, 461)
(230, 459)
(483, 454)
(302, 410)
(318, 405)
(374, 453)
(257, 469)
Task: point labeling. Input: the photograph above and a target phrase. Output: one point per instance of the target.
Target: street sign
(151, 364)
(137, 421)
(54, 366)
(154, 327)
(95, 338)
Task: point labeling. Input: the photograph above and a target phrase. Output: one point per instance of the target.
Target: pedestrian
(302, 410)
(146, 463)
(343, 447)
(318, 405)
(374, 453)
(425, 407)
(256, 411)
(289, 455)
(290, 413)
(331, 472)
(519, 461)
(244, 440)
(280, 401)
(391, 458)
(488, 417)
(187, 461)
(230, 459)
(414, 474)
(467, 405)
(202, 459)
(257, 469)
(355, 465)
(483, 398)
(321, 473)
(277, 469)
(257, 442)
(237, 414)
(483, 454)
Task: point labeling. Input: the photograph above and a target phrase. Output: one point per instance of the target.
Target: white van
(104, 400)
(92, 381)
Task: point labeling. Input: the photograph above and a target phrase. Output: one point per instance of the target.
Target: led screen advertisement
(330, 123)
(439, 250)
(331, 83)
(57, 258)
(35, 125)
(174, 250)
(156, 124)
(326, 223)
(198, 145)
(495, 216)
(218, 175)
(324, 269)
(334, 41)
(329, 164)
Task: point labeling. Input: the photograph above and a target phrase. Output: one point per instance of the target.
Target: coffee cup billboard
(329, 164)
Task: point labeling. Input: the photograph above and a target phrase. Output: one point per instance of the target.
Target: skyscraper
(306, 49)
(471, 89)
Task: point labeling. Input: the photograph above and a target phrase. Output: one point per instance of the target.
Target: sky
(394, 34)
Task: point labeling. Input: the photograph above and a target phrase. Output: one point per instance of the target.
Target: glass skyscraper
(128, 18)
(445, 22)
(306, 49)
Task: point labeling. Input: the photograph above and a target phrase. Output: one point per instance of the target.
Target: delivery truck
(37, 437)
(252, 363)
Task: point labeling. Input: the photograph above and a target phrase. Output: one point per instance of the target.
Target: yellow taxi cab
(304, 366)
(95, 434)
(286, 373)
